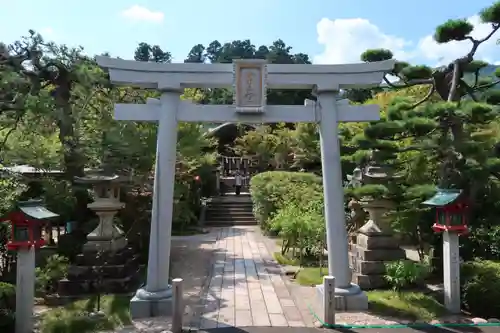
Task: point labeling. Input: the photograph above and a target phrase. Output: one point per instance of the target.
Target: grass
(411, 305)
(283, 260)
(310, 276)
(74, 318)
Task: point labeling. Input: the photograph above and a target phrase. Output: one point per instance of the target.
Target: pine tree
(448, 137)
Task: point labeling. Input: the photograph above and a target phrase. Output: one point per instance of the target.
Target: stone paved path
(246, 288)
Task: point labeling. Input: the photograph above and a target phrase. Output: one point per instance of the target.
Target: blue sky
(330, 31)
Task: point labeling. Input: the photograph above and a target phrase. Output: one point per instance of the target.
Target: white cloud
(139, 13)
(48, 33)
(345, 39)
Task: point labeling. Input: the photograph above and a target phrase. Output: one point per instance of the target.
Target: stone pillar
(25, 290)
(451, 268)
(349, 296)
(375, 245)
(155, 299)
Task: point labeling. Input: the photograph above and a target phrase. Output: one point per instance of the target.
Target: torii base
(346, 299)
(147, 304)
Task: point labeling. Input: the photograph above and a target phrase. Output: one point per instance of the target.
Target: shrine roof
(36, 210)
(443, 197)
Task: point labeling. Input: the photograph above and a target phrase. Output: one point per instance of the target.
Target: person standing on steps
(237, 182)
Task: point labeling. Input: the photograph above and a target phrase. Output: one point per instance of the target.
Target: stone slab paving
(245, 287)
(429, 329)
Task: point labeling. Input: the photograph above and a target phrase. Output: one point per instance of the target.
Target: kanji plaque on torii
(249, 85)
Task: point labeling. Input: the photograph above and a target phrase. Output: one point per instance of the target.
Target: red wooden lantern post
(451, 217)
(451, 220)
(26, 223)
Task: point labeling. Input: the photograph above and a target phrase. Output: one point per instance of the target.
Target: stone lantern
(377, 208)
(375, 244)
(106, 236)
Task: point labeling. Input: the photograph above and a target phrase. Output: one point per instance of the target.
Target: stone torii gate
(250, 80)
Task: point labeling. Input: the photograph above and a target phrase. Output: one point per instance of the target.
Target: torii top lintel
(280, 76)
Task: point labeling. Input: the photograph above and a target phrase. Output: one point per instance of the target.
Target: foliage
(55, 269)
(268, 145)
(76, 317)
(410, 305)
(482, 242)
(271, 190)
(481, 287)
(302, 230)
(290, 204)
(438, 128)
(7, 306)
(405, 273)
(375, 191)
(60, 118)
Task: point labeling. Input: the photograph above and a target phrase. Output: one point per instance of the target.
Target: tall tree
(197, 54)
(445, 135)
(147, 52)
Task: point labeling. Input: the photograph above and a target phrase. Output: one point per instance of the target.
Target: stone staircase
(230, 210)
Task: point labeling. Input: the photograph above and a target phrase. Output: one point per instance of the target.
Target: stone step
(229, 209)
(231, 204)
(222, 223)
(229, 212)
(229, 218)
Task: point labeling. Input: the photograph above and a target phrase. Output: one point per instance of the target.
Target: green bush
(76, 317)
(7, 306)
(272, 190)
(302, 230)
(290, 204)
(7, 296)
(481, 287)
(402, 274)
(54, 270)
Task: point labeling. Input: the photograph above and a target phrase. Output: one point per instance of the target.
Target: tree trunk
(74, 162)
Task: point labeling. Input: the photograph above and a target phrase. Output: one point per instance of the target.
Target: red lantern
(451, 211)
(197, 178)
(27, 223)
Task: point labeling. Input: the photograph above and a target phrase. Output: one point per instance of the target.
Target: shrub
(7, 306)
(481, 287)
(290, 204)
(301, 228)
(54, 270)
(402, 274)
(7, 296)
(272, 190)
(375, 191)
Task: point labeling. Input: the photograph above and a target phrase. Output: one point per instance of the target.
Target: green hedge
(481, 287)
(290, 204)
(7, 306)
(273, 189)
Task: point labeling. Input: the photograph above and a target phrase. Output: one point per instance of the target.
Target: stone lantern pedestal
(375, 246)
(375, 242)
(106, 236)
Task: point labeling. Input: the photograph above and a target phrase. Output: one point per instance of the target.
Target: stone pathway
(246, 287)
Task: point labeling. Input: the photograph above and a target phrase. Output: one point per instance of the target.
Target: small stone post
(451, 268)
(329, 300)
(178, 305)
(25, 289)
